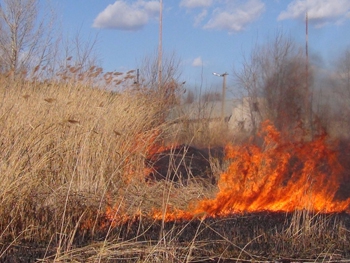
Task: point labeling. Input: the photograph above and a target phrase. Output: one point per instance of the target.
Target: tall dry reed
(64, 147)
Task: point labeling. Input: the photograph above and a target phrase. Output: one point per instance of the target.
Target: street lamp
(223, 93)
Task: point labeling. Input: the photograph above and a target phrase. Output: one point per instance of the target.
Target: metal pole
(223, 97)
(309, 94)
(160, 48)
(137, 76)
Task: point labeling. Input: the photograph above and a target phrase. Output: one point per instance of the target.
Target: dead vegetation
(73, 186)
(76, 161)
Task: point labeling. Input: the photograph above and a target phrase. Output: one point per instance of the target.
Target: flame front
(279, 176)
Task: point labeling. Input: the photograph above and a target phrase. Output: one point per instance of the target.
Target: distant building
(247, 111)
(238, 114)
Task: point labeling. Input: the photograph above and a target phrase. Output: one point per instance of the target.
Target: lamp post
(223, 94)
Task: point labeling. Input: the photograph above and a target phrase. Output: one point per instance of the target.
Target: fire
(278, 176)
(145, 144)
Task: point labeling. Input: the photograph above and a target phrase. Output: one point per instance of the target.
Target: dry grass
(64, 147)
(70, 152)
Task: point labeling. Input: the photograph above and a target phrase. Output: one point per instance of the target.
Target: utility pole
(307, 38)
(137, 81)
(160, 48)
(223, 98)
(307, 54)
(308, 94)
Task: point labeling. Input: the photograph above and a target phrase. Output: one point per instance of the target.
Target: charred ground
(264, 236)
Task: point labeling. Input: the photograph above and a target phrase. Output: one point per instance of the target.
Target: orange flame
(279, 176)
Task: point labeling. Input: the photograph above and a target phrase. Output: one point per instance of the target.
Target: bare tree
(171, 88)
(343, 72)
(275, 82)
(341, 88)
(169, 92)
(286, 95)
(211, 96)
(26, 37)
(149, 69)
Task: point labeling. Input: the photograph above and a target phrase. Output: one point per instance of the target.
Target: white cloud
(320, 12)
(124, 16)
(196, 3)
(200, 17)
(235, 17)
(198, 62)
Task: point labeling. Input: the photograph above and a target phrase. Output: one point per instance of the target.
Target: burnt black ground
(252, 237)
(184, 162)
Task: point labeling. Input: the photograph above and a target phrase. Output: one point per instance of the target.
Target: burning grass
(74, 167)
(278, 176)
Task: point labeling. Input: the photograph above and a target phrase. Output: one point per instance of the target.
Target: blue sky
(207, 35)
